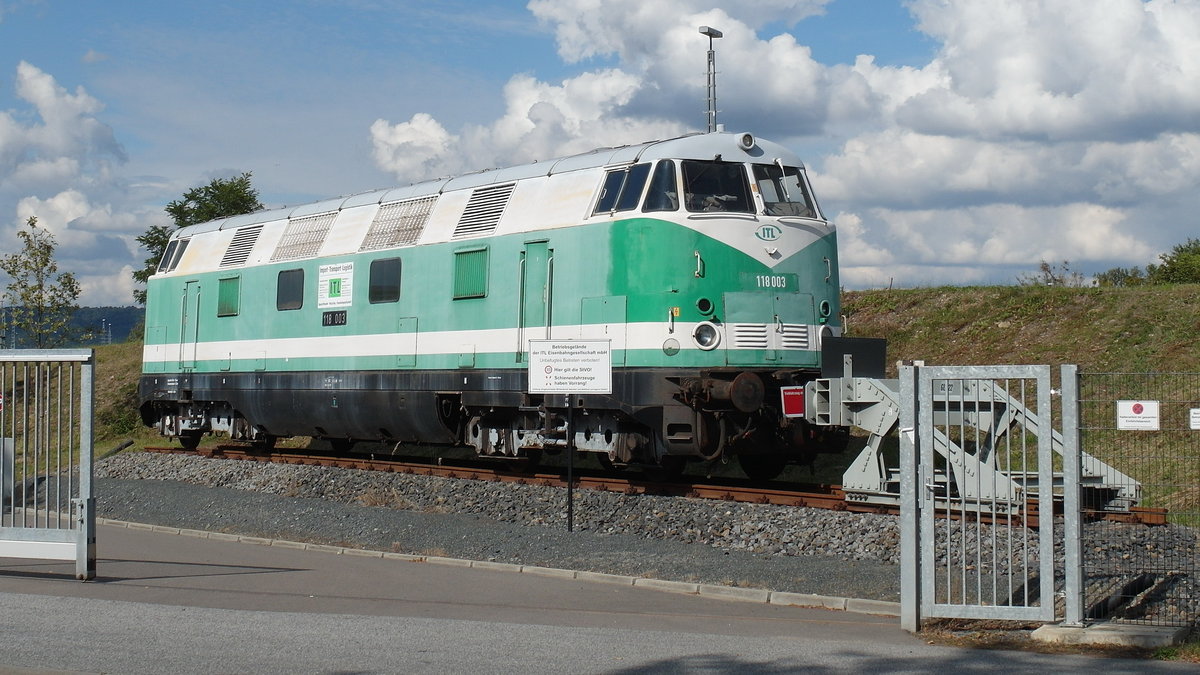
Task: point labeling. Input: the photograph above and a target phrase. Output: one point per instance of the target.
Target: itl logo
(335, 288)
(768, 233)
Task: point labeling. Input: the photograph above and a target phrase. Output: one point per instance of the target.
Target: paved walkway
(163, 602)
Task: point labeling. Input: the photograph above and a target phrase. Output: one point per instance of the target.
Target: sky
(953, 142)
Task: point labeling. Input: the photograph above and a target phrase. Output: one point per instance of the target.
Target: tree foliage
(221, 198)
(40, 300)
(1122, 277)
(1179, 266)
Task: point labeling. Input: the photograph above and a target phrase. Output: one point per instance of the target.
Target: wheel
(341, 445)
(190, 440)
(762, 467)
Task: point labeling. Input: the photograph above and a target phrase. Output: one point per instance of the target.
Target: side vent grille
(398, 224)
(483, 211)
(794, 336)
(303, 237)
(749, 336)
(239, 249)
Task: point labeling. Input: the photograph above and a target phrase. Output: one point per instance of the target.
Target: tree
(1053, 275)
(1180, 266)
(1122, 277)
(41, 301)
(221, 198)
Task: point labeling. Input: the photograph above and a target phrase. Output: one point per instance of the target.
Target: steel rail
(820, 496)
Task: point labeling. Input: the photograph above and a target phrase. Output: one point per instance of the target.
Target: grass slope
(1150, 329)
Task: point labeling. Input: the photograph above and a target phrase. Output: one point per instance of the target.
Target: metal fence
(978, 451)
(1146, 425)
(46, 457)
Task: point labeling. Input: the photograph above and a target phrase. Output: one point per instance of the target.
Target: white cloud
(56, 163)
(1059, 69)
(418, 148)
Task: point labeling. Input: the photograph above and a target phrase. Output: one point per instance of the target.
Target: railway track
(814, 496)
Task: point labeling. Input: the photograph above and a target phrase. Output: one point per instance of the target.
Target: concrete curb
(716, 592)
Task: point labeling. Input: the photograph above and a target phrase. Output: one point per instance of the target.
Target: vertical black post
(570, 464)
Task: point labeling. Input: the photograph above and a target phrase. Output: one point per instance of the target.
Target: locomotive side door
(536, 289)
(189, 324)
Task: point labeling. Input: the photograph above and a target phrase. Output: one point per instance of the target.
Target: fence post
(1072, 511)
(85, 559)
(910, 504)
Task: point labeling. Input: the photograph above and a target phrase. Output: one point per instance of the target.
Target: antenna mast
(712, 76)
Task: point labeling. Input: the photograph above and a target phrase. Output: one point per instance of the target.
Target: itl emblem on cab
(768, 232)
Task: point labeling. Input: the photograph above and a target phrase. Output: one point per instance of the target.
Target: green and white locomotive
(406, 315)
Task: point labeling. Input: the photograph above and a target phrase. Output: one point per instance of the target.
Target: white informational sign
(570, 367)
(1194, 418)
(1137, 415)
(335, 285)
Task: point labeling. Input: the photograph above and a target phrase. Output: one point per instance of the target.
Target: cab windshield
(783, 191)
(716, 186)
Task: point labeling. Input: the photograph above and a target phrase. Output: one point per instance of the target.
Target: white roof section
(730, 147)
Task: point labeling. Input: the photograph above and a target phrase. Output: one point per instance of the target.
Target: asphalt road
(170, 603)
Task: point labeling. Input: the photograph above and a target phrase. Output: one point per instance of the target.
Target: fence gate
(977, 450)
(49, 510)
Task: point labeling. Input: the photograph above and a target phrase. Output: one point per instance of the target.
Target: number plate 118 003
(335, 318)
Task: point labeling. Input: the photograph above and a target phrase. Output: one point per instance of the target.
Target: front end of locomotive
(746, 272)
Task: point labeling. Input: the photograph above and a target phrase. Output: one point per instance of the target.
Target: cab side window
(622, 189)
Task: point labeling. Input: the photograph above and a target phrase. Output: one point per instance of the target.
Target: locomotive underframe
(653, 416)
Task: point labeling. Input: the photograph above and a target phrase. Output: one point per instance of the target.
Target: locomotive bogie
(406, 315)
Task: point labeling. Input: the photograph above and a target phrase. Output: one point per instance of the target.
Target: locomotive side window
(229, 292)
(289, 293)
(622, 189)
(385, 280)
(470, 273)
(716, 186)
(663, 194)
(783, 191)
(172, 255)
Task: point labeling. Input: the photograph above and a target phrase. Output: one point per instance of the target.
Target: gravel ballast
(748, 545)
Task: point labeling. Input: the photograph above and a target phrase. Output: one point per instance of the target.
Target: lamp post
(712, 76)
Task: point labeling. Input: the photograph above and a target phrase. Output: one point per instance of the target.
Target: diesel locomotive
(406, 315)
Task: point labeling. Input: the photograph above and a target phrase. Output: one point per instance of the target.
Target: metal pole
(910, 503)
(712, 88)
(712, 76)
(570, 464)
(1072, 509)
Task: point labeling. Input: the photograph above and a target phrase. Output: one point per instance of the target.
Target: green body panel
(611, 275)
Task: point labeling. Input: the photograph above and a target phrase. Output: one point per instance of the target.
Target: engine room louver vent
(483, 210)
(303, 237)
(769, 336)
(749, 336)
(239, 249)
(398, 224)
(794, 336)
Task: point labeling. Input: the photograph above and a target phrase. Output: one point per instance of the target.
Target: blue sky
(953, 141)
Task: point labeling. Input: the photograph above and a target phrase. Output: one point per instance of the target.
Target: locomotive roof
(720, 145)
